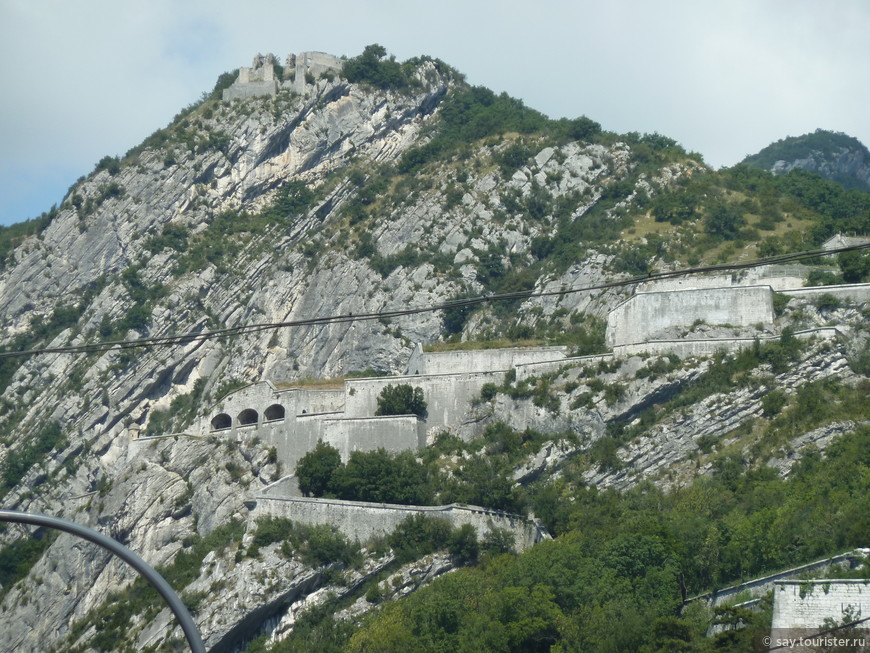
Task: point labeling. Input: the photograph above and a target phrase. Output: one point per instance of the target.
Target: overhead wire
(186, 338)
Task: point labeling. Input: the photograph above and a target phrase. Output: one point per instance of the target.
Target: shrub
(418, 535)
(382, 477)
(463, 543)
(315, 470)
(773, 402)
(401, 399)
(456, 316)
(371, 68)
(498, 541)
(828, 302)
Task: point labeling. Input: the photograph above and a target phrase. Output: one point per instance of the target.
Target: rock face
(282, 208)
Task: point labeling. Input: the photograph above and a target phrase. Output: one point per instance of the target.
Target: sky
(84, 79)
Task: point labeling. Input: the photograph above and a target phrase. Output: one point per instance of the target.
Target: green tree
(316, 469)
(383, 477)
(723, 219)
(854, 265)
(401, 399)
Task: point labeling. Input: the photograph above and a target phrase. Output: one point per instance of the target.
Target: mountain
(833, 155)
(322, 187)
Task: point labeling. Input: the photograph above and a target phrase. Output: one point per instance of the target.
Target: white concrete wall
(362, 521)
(688, 348)
(259, 396)
(760, 586)
(856, 292)
(821, 599)
(641, 316)
(688, 282)
(536, 369)
(447, 396)
(481, 360)
(394, 433)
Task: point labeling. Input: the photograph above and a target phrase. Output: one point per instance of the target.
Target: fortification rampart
(807, 603)
(260, 78)
(362, 521)
(642, 316)
(479, 360)
(447, 395)
(393, 433)
(856, 292)
(760, 586)
(526, 370)
(262, 403)
(711, 346)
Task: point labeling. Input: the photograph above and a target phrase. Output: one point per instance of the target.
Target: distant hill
(833, 155)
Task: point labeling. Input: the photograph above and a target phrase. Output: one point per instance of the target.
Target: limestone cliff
(282, 207)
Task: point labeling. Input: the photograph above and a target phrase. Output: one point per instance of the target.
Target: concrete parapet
(643, 315)
(856, 292)
(760, 586)
(362, 521)
(479, 360)
(710, 346)
(526, 370)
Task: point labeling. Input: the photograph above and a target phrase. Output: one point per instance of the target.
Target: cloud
(90, 78)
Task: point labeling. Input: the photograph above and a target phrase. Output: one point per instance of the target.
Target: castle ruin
(299, 72)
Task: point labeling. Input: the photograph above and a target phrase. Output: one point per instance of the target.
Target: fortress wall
(362, 521)
(258, 396)
(688, 348)
(684, 348)
(482, 360)
(526, 370)
(760, 586)
(643, 315)
(687, 282)
(242, 90)
(320, 400)
(447, 395)
(394, 433)
(856, 292)
(821, 599)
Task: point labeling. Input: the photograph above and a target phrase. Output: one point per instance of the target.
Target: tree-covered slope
(833, 155)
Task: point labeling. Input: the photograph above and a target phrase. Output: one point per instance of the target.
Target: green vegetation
(401, 399)
(372, 68)
(229, 231)
(18, 462)
(828, 144)
(140, 601)
(18, 558)
(13, 235)
(316, 546)
(181, 411)
(469, 114)
(378, 476)
(622, 563)
(315, 469)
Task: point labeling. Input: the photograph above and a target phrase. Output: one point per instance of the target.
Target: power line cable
(180, 339)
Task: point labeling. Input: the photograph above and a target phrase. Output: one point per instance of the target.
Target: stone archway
(247, 416)
(221, 422)
(274, 412)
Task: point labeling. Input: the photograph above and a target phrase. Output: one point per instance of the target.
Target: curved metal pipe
(159, 583)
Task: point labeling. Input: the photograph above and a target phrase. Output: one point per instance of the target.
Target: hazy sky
(725, 78)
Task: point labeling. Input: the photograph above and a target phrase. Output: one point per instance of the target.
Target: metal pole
(159, 583)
